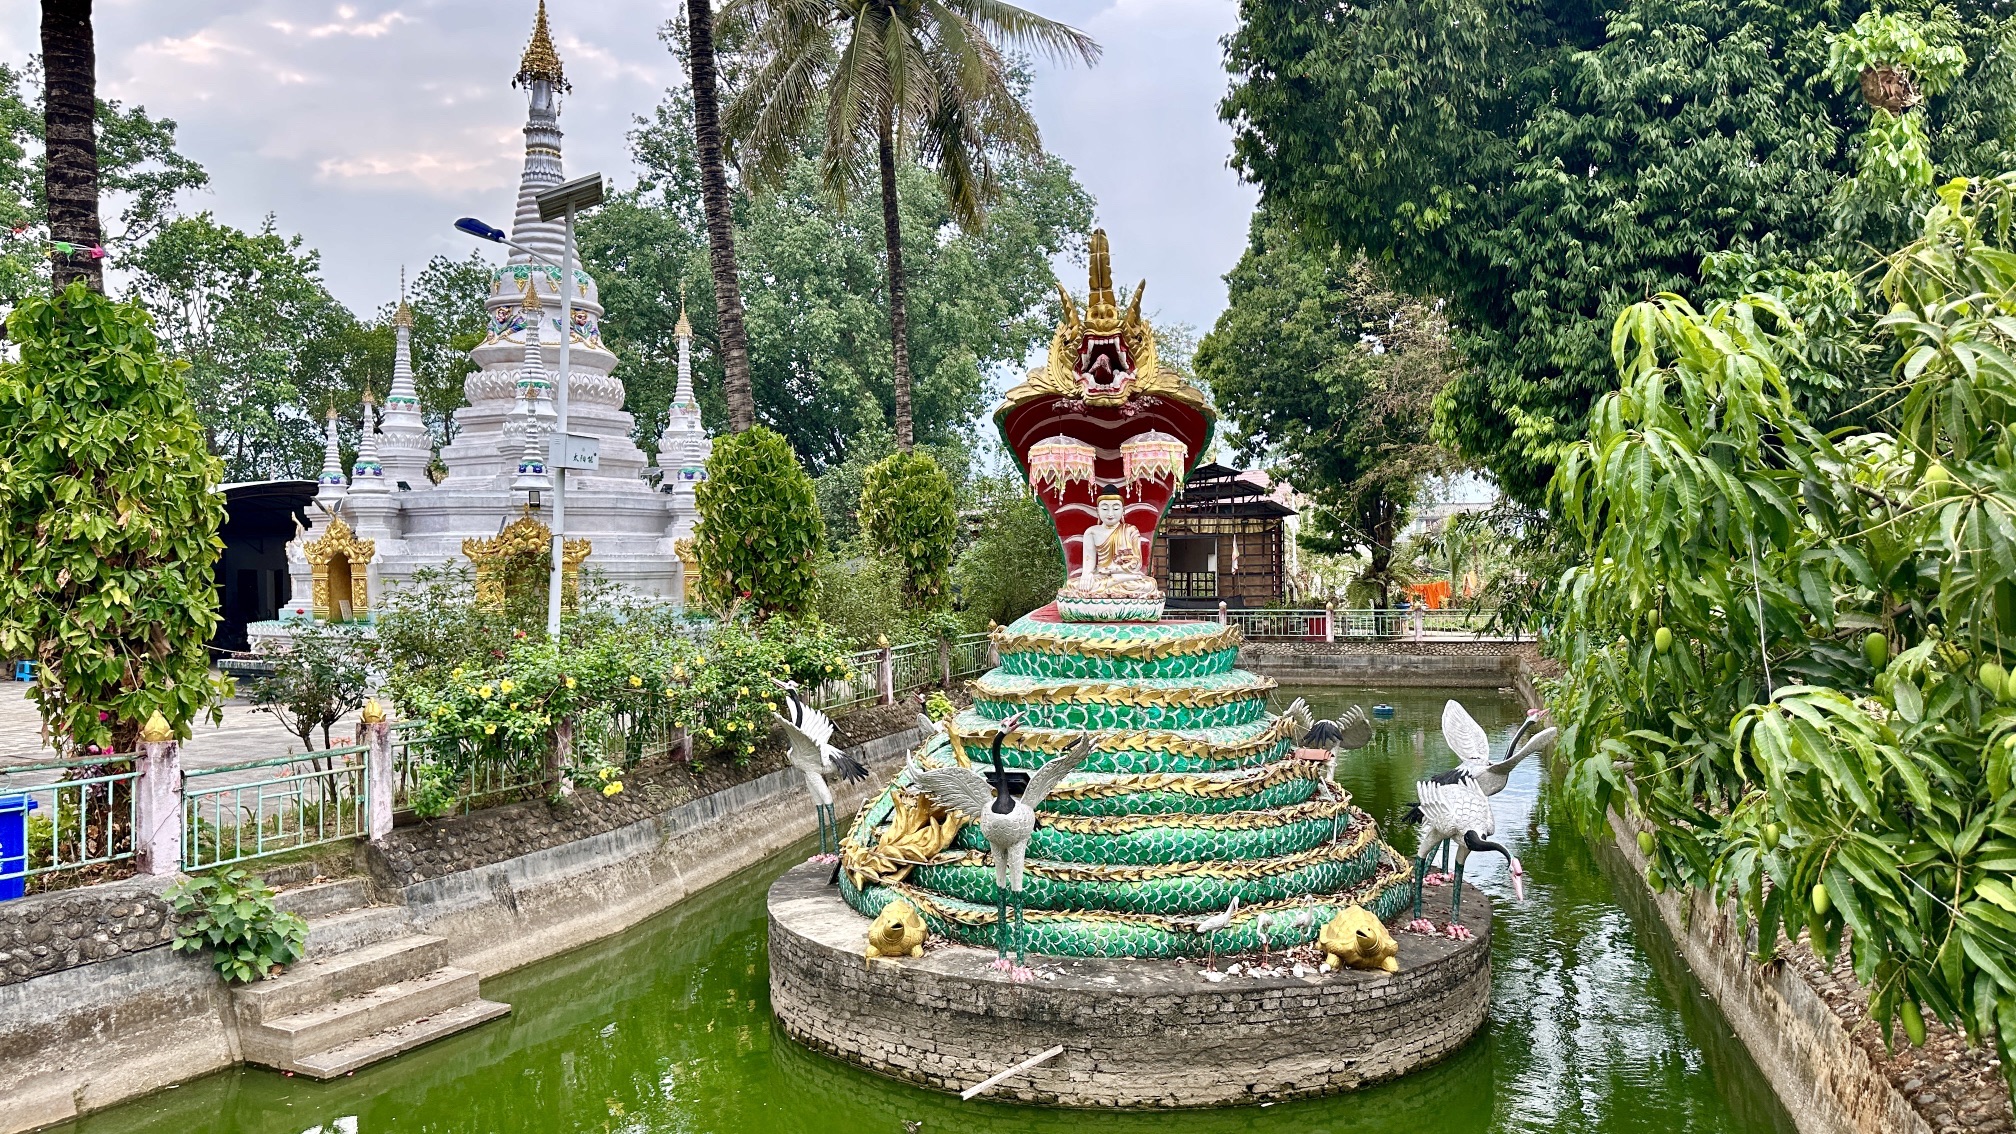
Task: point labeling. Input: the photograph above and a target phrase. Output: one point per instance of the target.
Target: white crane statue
(1005, 803)
(1452, 805)
(812, 752)
(1465, 737)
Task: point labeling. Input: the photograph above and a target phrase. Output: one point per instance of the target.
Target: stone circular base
(1136, 1034)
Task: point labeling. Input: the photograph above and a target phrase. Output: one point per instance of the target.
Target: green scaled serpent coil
(1193, 794)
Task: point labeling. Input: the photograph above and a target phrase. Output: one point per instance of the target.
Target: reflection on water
(1595, 1024)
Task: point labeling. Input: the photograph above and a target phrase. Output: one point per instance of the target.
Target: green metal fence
(236, 812)
(79, 813)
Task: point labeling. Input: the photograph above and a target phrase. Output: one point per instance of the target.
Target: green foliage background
(1544, 166)
(1325, 368)
(908, 517)
(760, 534)
(1786, 647)
(108, 522)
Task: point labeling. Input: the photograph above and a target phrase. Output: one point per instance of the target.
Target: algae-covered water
(1595, 1024)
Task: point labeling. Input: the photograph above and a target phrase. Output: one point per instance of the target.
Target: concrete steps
(369, 989)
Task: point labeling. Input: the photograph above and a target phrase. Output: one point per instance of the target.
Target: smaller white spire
(367, 474)
(331, 487)
(407, 446)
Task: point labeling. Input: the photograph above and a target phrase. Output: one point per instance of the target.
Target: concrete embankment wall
(98, 1032)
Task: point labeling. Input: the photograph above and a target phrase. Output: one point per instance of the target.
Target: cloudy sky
(368, 126)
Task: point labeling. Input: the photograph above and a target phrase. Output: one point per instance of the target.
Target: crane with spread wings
(812, 752)
(1005, 803)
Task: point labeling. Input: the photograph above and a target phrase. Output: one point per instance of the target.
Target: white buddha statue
(1111, 564)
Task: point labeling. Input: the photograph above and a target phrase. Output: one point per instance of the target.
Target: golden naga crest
(1102, 356)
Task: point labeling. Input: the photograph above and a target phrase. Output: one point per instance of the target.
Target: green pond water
(1595, 1023)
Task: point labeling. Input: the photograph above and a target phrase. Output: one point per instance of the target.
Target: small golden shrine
(340, 565)
(521, 556)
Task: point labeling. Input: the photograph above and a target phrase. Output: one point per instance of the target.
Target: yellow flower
(770, 705)
(678, 673)
(748, 748)
(489, 730)
(668, 692)
(829, 667)
(635, 681)
(514, 706)
(505, 686)
(484, 692)
(612, 789)
(570, 683)
(742, 692)
(456, 672)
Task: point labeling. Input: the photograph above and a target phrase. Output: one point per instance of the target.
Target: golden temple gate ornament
(340, 564)
(523, 549)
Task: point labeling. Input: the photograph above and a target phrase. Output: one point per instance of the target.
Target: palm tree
(70, 115)
(927, 73)
(733, 339)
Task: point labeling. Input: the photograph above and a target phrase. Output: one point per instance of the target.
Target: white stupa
(630, 522)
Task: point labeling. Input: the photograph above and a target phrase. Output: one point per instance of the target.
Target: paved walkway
(245, 734)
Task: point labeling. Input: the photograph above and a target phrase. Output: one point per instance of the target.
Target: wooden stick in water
(994, 1080)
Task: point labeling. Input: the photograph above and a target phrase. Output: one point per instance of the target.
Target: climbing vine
(108, 522)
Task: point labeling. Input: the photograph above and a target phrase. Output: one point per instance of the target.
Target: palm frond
(1020, 28)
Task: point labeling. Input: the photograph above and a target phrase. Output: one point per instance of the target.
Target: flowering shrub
(720, 686)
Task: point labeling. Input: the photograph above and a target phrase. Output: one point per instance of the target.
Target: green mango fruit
(2009, 690)
(1821, 902)
(1655, 880)
(1994, 677)
(1771, 836)
(1646, 842)
(1914, 1022)
(1662, 639)
(1876, 648)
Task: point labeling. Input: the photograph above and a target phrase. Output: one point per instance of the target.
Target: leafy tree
(321, 676)
(759, 535)
(268, 347)
(1015, 564)
(813, 286)
(1329, 371)
(137, 165)
(1544, 166)
(110, 515)
(883, 71)
(908, 517)
(1786, 647)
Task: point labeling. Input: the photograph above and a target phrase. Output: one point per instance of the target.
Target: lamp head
(479, 230)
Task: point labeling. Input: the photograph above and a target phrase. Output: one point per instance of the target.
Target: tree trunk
(899, 322)
(70, 113)
(734, 340)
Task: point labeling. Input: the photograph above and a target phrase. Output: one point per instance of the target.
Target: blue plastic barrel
(14, 811)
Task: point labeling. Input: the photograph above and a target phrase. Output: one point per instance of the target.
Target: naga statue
(1190, 793)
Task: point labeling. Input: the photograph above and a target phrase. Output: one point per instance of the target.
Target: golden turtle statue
(1355, 938)
(898, 931)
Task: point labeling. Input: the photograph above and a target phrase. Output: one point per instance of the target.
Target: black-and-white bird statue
(1352, 730)
(1005, 803)
(1453, 805)
(812, 752)
(1466, 738)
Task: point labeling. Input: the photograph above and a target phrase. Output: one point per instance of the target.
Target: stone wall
(1136, 1034)
(1467, 665)
(63, 929)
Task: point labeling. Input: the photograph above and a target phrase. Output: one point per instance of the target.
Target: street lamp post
(560, 202)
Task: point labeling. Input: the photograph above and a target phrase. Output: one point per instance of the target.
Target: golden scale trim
(1119, 693)
(1056, 740)
(1134, 649)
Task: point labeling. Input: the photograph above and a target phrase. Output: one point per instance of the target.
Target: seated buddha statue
(1111, 565)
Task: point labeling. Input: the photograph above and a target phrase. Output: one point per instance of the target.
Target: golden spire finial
(402, 316)
(532, 300)
(368, 399)
(683, 328)
(1102, 314)
(541, 61)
